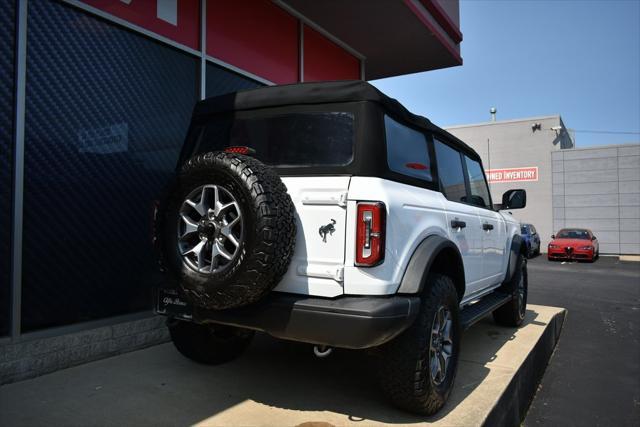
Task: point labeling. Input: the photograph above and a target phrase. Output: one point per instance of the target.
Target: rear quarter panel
(413, 213)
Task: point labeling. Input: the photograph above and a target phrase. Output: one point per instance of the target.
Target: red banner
(178, 20)
(512, 174)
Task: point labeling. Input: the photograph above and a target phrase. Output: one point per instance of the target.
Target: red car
(574, 244)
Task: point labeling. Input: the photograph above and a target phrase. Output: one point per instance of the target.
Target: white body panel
(326, 268)
(469, 242)
(412, 214)
(317, 266)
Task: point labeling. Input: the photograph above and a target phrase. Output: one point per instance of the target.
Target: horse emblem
(327, 229)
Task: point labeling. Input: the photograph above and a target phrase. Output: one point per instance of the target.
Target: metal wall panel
(600, 189)
(256, 36)
(7, 58)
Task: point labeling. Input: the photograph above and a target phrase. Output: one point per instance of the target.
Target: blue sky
(576, 58)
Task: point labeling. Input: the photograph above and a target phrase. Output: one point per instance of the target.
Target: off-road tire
(269, 231)
(512, 313)
(209, 344)
(403, 363)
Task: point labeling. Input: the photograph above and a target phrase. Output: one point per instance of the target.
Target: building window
(220, 81)
(106, 114)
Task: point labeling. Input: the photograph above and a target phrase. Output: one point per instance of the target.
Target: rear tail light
(370, 230)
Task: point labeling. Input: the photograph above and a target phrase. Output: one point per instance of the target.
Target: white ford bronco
(327, 213)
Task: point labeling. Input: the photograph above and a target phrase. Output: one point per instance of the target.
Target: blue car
(531, 238)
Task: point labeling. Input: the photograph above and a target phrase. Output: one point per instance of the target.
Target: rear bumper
(354, 322)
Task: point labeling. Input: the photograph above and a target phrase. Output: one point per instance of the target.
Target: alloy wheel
(522, 294)
(441, 345)
(210, 229)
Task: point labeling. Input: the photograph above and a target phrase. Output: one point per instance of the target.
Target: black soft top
(318, 93)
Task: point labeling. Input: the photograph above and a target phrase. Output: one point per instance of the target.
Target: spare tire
(227, 230)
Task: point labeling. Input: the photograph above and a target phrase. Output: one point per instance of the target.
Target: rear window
(295, 139)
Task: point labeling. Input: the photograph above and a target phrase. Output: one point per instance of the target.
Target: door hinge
(343, 199)
(324, 198)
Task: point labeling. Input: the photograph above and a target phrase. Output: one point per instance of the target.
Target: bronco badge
(327, 229)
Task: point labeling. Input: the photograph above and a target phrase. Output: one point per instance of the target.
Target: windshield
(573, 234)
(295, 139)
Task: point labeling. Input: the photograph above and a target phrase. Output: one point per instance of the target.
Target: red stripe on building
(256, 36)
(324, 60)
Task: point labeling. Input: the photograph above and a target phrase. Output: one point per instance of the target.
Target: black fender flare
(421, 262)
(515, 250)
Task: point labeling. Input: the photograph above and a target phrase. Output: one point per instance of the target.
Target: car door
(462, 218)
(492, 226)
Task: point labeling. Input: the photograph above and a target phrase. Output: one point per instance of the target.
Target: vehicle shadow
(287, 375)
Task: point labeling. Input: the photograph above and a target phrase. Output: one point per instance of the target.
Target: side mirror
(593, 237)
(514, 199)
(553, 236)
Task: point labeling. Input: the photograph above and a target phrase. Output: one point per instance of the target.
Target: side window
(450, 172)
(407, 150)
(477, 183)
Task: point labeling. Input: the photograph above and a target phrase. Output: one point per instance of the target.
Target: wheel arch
(435, 254)
(518, 247)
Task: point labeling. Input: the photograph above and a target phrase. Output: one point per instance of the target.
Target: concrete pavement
(282, 383)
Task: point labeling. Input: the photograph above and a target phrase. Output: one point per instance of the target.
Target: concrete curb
(34, 357)
(511, 408)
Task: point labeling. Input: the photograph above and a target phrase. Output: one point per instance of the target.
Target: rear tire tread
(404, 362)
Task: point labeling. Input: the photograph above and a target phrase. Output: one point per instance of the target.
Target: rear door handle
(458, 224)
(486, 226)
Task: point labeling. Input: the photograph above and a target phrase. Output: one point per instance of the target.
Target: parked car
(327, 213)
(531, 239)
(574, 244)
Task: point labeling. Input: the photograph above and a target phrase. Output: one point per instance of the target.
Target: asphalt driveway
(594, 375)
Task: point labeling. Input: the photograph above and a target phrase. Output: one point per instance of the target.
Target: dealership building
(95, 100)
(596, 188)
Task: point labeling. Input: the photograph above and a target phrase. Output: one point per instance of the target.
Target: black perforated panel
(106, 114)
(7, 48)
(220, 81)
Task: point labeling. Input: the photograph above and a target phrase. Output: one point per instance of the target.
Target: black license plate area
(169, 303)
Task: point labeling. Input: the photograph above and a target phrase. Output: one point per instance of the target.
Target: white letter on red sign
(168, 11)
